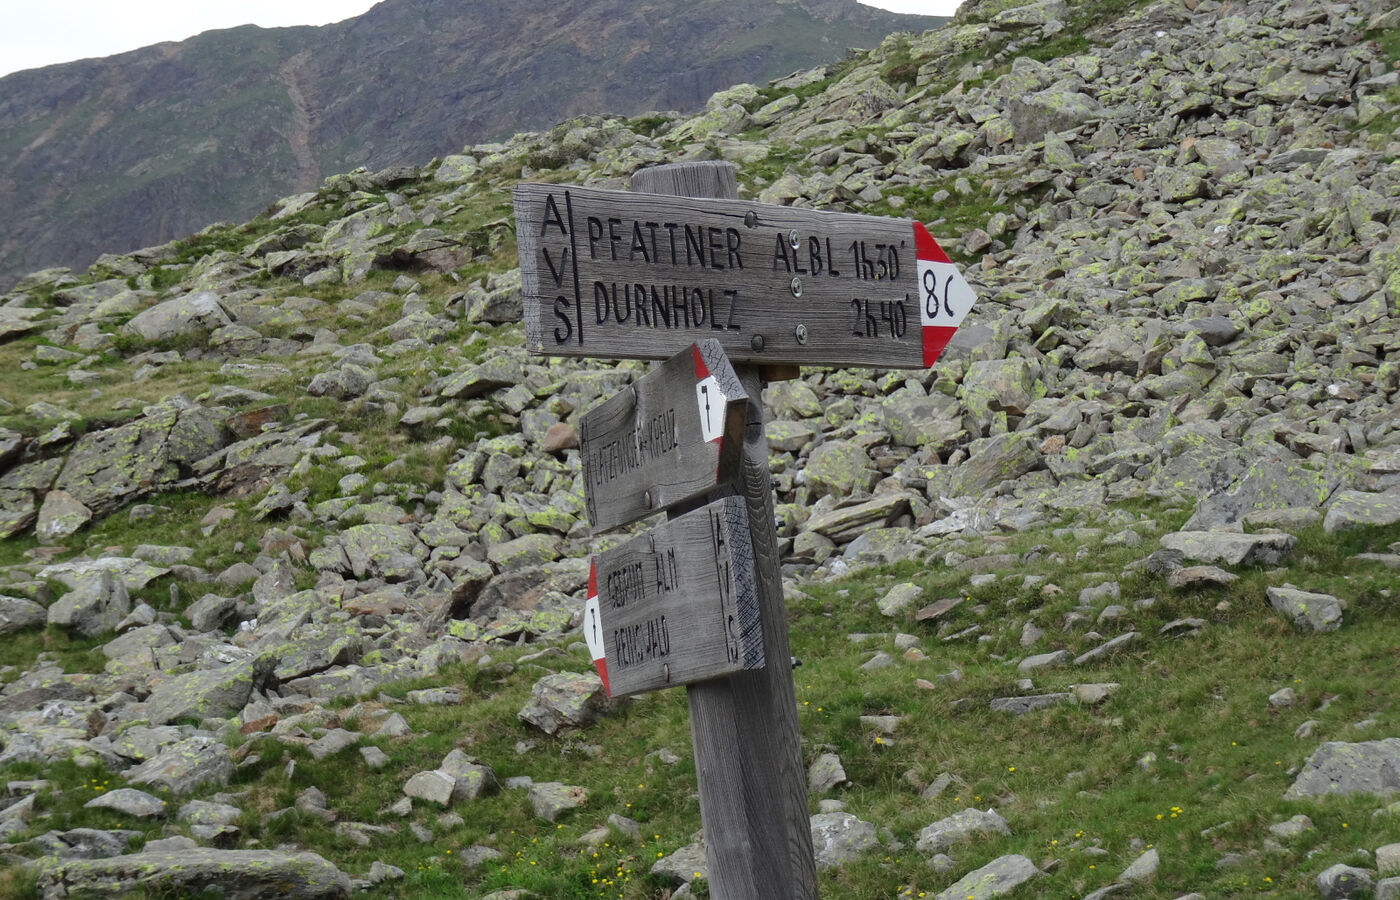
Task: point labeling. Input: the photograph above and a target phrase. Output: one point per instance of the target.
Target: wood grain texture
(748, 753)
(628, 275)
(678, 604)
(673, 435)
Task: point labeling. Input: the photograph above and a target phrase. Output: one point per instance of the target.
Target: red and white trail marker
(944, 295)
(593, 627)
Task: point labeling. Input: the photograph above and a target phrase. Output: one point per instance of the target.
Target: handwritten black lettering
(565, 329)
(613, 237)
(552, 217)
(595, 234)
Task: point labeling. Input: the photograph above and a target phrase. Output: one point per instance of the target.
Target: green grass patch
(71, 653)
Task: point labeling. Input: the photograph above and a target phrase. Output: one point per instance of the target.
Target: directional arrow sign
(677, 604)
(673, 435)
(628, 275)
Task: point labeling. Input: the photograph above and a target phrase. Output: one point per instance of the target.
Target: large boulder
(1040, 113)
(1337, 768)
(1005, 457)
(960, 827)
(1231, 549)
(566, 700)
(95, 606)
(183, 315)
(999, 877)
(61, 515)
(17, 614)
(232, 874)
(840, 837)
(182, 767)
(209, 692)
(840, 468)
(1320, 612)
(391, 552)
(109, 469)
(933, 421)
(1355, 509)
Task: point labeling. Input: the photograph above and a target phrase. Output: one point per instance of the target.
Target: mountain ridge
(138, 148)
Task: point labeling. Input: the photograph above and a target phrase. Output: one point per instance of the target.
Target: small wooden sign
(673, 435)
(677, 604)
(628, 275)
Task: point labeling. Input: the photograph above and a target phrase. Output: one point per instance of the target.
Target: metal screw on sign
(796, 286)
(793, 239)
(757, 342)
(647, 499)
(751, 219)
(801, 332)
(666, 670)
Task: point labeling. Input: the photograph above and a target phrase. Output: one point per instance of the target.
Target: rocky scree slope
(112, 154)
(292, 463)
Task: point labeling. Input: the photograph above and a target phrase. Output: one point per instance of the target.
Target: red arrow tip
(925, 247)
(702, 371)
(602, 666)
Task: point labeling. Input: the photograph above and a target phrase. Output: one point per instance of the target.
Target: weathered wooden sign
(677, 604)
(676, 433)
(630, 275)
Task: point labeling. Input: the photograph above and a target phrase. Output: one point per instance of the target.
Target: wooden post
(748, 753)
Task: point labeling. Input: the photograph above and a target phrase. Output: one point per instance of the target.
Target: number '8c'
(931, 304)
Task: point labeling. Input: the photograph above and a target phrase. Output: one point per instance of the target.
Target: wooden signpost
(681, 270)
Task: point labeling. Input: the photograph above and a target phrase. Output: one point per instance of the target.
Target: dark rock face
(139, 148)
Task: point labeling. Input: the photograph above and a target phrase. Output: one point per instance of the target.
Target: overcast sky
(44, 32)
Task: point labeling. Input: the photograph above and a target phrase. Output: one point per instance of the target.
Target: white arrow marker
(593, 628)
(944, 295)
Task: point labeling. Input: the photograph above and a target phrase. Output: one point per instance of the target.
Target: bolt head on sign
(615, 274)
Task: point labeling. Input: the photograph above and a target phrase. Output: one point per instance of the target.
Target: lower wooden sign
(676, 605)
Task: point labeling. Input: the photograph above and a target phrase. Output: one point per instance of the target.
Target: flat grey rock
(1107, 648)
(1021, 705)
(1231, 549)
(839, 837)
(129, 801)
(433, 787)
(959, 828)
(550, 799)
(1309, 611)
(185, 766)
(1337, 768)
(997, 878)
(1043, 661)
(1355, 509)
(1142, 868)
(683, 866)
(235, 873)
